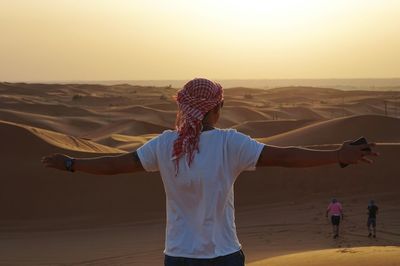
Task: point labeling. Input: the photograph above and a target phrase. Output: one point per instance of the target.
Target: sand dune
(78, 125)
(33, 192)
(236, 115)
(145, 113)
(301, 113)
(301, 90)
(42, 142)
(363, 108)
(280, 184)
(167, 106)
(262, 128)
(240, 91)
(17, 131)
(129, 143)
(368, 256)
(232, 102)
(49, 109)
(124, 127)
(374, 128)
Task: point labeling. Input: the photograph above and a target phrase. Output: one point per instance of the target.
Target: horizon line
(183, 79)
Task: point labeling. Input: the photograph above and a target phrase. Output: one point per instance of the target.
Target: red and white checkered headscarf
(194, 100)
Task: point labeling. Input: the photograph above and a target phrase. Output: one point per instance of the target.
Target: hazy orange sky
(180, 39)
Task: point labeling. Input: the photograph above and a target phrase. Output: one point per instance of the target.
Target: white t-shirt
(200, 202)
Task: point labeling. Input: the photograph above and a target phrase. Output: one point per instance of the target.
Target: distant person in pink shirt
(335, 210)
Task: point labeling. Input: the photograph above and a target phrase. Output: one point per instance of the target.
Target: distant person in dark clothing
(371, 223)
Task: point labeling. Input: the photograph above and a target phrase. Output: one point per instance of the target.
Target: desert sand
(50, 217)
(346, 256)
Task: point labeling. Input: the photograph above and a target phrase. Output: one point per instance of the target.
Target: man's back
(200, 202)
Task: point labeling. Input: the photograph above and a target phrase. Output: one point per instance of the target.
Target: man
(335, 210)
(371, 222)
(199, 164)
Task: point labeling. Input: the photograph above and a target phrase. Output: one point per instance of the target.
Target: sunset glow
(176, 39)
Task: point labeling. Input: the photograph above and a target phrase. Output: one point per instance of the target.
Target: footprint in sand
(347, 250)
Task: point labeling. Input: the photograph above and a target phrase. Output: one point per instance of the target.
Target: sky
(47, 40)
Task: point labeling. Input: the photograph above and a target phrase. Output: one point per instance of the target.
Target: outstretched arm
(304, 157)
(104, 165)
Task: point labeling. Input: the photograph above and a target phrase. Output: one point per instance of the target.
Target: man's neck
(207, 127)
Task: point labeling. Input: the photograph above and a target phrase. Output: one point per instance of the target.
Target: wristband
(69, 164)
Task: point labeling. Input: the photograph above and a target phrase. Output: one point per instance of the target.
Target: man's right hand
(352, 154)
